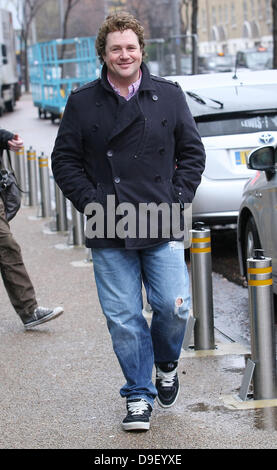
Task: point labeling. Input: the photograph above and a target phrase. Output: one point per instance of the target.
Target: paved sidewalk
(59, 383)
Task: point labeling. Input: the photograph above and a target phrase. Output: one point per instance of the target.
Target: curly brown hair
(118, 22)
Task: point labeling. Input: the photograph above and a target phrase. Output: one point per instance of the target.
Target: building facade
(231, 25)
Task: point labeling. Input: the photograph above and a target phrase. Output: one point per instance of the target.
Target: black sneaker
(138, 416)
(41, 315)
(167, 383)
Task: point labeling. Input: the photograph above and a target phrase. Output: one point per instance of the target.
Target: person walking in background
(130, 136)
(15, 277)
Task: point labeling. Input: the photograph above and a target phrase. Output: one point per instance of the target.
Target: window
(213, 15)
(220, 14)
(244, 124)
(4, 54)
(241, 62)
(204, 20)
(233, 14)
(268, 12)
(260, 9)
(245, 12)
(226, 14)
(252, 4)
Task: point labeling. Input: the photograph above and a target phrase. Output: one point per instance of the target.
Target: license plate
(241, 157)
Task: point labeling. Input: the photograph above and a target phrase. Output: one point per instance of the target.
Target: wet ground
(230, 299)
(224, 255)
(231, 303)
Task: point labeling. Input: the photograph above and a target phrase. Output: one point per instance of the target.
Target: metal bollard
(32, 176)
(11, 163)
(44, 185)
(22, 177)
(263, 347)
(61, 217)
(78, 227)
(202, 294)
(15, 164)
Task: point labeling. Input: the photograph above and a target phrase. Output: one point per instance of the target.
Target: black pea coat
(145, 150)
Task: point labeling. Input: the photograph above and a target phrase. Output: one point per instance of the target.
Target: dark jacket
(5, 136)
(143, 150)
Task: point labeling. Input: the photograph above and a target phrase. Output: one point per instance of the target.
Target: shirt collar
(146, 82)
(133, 88)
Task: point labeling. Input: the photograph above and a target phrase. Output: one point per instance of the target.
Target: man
(129, 137)
(15, 277)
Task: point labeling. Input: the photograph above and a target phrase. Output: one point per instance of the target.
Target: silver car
(257, 221)
(234, 115)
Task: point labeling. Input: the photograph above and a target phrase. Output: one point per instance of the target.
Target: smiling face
(123, 56)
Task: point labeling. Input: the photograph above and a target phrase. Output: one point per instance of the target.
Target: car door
(266, 210)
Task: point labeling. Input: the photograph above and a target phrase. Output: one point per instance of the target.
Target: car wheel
(251, 240)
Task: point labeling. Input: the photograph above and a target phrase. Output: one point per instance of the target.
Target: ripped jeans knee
(180, 309)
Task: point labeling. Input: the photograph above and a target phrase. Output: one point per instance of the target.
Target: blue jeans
(119, 274)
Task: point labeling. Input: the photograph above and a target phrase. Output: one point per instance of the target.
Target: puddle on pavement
(236, 364)
(234, 370)
(266, 419)
(198, 407)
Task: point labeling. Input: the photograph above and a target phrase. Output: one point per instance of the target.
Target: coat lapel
(128, 111)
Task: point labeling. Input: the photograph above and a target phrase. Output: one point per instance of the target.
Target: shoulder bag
(10, 192)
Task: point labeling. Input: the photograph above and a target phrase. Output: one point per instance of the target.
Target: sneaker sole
(136, 426)
(56, 313)
(171, 404)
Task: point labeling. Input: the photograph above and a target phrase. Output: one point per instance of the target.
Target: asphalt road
(224, 255)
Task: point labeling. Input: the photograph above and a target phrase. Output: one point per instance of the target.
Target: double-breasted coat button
(117, 179)
(95, 127)
(155, 98)
(109, 153)
(98, 103)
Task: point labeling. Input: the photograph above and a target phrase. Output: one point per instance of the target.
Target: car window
(241, 59)
(226, 60)
(258, 58)
(243, 124)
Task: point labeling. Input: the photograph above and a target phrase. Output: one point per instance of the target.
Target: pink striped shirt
(133, 88)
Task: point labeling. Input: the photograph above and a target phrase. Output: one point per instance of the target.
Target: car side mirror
(263, 159)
